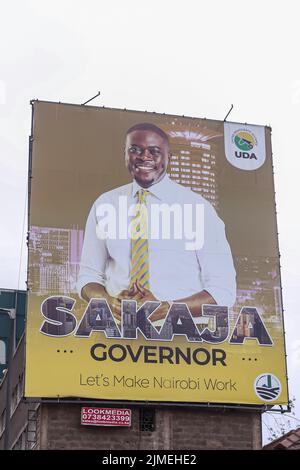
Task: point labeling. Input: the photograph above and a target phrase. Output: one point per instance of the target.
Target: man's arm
(216, 266)
(94, 257)
(94, 290)
(194, 302)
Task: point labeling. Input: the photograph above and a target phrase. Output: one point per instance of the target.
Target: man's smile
(144, 166)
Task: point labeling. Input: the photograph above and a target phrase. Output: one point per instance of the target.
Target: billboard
(153, 259)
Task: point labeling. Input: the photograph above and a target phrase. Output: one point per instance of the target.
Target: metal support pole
(98, 94)
(228, 113)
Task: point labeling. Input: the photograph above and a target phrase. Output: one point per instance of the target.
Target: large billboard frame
(141, 403)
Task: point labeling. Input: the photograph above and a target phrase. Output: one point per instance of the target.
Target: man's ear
(125, 154)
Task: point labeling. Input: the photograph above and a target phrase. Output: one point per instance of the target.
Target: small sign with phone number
(105, 416)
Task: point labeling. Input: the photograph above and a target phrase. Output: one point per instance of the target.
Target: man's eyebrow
(148, 147)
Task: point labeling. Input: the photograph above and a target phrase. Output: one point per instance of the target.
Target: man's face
(146, 157)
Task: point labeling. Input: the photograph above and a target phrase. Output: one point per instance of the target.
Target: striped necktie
(139, 254)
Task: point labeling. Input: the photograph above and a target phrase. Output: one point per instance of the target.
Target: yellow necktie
(139, 242)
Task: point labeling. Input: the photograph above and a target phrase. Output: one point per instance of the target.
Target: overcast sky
(181, 57)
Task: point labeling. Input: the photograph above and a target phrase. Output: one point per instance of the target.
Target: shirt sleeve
(94, 255)
(215, 259)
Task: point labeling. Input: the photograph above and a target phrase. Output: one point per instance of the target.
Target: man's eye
(155, 151)
(136, 150)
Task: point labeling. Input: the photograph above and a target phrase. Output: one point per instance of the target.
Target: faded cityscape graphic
(54, 257)
(193, 163)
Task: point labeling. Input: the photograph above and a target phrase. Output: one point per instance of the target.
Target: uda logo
(246, 141)
(267, 387)
(245, 145)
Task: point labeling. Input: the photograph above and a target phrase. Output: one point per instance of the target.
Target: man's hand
(146, 295)
(141, 295)
(128, 294)
(97, 291)
(138, 293)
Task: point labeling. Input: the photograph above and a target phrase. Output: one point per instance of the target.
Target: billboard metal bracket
(228, 113)
(98, 94)
(145, 403)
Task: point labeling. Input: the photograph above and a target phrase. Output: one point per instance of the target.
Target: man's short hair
(147, 126)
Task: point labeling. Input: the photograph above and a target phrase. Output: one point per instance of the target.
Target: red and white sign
(105, 416)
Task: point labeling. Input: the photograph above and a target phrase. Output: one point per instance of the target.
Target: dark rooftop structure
(289, 441)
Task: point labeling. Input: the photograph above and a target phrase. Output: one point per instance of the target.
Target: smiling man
(144, 268)
(147, 154)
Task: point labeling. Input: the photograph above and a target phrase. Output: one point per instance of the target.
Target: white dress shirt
(175, 272)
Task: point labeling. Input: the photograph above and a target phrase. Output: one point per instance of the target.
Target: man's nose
(146, 154)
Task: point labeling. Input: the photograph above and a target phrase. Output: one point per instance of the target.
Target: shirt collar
(159, 190)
